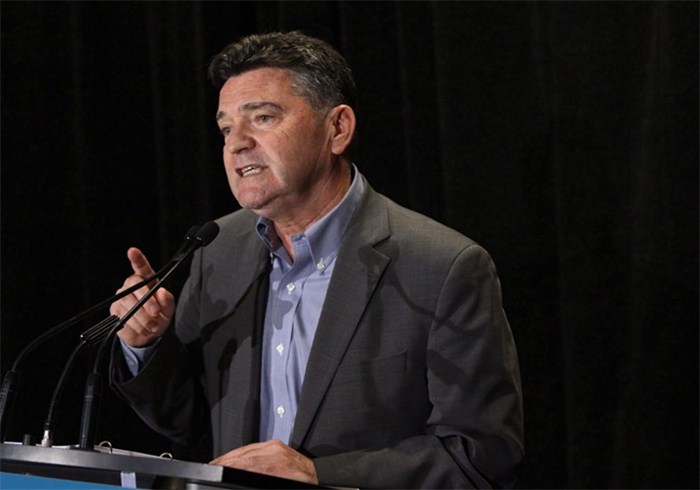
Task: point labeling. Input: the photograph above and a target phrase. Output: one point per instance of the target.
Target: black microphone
(93, 385)
(11, 380)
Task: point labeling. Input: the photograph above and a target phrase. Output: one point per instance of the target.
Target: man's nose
(239, 139)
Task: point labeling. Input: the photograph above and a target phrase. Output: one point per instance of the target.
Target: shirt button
(290, 287)
(280, 411)
(320, 265)
(280, 349)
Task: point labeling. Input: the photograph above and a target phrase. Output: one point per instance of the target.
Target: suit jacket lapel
(256, 261)
(358, 269)
(248, 288)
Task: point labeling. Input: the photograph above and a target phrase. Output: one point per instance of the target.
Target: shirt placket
(288, 296)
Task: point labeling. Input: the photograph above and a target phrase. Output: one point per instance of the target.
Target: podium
(132, 471)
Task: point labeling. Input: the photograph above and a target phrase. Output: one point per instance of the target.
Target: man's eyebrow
(251, 106)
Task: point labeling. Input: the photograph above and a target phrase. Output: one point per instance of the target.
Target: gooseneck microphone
(93, 385)
(12, 377)
(93, 336)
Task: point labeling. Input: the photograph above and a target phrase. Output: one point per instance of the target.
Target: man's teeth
(251, 170)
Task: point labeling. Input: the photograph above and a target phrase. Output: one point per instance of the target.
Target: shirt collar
(324, 236)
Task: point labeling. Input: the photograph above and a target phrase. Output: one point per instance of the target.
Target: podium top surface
(116, 462)
(37, 458)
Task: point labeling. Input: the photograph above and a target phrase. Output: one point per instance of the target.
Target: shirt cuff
(136, 357)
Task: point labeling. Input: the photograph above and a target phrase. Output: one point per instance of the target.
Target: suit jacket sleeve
(167, 393)
(473, 435)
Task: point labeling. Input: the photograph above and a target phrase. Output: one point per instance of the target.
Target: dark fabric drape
(561, 136)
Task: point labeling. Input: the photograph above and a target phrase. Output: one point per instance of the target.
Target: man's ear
(343, 121)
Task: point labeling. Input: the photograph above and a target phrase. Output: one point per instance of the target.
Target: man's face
(277, 149)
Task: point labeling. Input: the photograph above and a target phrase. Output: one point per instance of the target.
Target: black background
(561, 136)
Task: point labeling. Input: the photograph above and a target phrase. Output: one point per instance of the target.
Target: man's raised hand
(151, 320)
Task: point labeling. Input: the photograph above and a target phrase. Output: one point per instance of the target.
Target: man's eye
(225, 131)
(264, 118)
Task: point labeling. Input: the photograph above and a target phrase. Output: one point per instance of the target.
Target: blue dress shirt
(296, 295)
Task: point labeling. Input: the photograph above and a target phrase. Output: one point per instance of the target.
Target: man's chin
(253, 200)
(260, 208)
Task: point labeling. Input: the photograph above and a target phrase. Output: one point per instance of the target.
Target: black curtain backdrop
(561, 136)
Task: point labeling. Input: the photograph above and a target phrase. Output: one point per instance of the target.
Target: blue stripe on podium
(11, 481)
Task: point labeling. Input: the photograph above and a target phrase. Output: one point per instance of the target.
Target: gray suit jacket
(412, 380)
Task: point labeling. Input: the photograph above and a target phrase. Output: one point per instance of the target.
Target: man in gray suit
(327, 334)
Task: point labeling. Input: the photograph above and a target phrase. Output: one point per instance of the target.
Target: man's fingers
(139, 263)
(166, 303)
(237, 453)
(151, 306)
(142, 318)
(272, 458)
(155, 312)
(154, 316)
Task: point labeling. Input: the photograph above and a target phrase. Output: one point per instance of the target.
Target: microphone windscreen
(207, 233)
